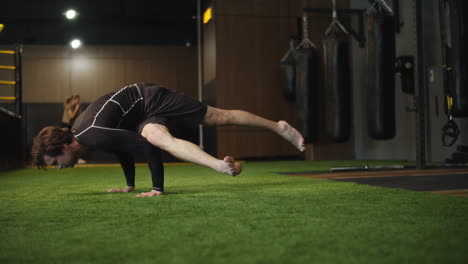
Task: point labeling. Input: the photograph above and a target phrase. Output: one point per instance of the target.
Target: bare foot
(150, 194)
(126, 189)
(291, 134)
(230, 167)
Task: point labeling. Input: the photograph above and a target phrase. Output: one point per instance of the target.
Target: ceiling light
(71, 14)
(76, 43)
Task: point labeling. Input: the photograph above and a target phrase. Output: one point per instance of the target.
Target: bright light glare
(71, 14)
(76, 43)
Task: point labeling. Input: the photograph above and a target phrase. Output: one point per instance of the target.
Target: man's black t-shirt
(106, 124)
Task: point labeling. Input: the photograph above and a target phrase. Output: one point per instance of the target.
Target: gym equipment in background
(336, 53)
(380, 71)
(453, 28)
(454, 56)
(404, 66)
(16, 97)
(307, 83)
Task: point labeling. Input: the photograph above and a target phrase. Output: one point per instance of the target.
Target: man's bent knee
(157, 135)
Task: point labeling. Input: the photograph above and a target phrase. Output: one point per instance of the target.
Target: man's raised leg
(216, 116)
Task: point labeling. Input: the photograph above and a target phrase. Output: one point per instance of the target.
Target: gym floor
(264, 215)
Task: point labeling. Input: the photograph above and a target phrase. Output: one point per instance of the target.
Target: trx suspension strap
(450, 130)
(455, 66)
(453, 29)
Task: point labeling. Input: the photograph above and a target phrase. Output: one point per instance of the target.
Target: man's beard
(77, 155)
(80, 152)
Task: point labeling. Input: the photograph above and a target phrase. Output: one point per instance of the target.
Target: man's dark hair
(50, 141)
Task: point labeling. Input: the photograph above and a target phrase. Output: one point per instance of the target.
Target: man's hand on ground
(149, 194)
(126, 189)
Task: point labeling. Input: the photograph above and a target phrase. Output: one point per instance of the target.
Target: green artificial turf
(258, 217)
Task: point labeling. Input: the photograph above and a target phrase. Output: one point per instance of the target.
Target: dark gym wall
(52, 73)
(250, 38)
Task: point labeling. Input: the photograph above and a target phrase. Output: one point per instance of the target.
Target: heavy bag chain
(450, 130)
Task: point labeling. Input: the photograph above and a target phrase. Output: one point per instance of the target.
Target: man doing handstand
(135, 118)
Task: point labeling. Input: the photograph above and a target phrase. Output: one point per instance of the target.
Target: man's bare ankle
(220, 166)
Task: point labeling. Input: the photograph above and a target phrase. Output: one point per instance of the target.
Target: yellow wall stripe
(7, 52)
(12, 98)
(7, 82)
(7, 67)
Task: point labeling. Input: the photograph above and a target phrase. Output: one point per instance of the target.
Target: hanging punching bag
(307, 73)
(381, 73)
(306, 92)
(288, 70)
(456, 70)
(337, 85)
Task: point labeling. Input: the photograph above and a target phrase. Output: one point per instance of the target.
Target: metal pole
(200, 84)
(420, 92)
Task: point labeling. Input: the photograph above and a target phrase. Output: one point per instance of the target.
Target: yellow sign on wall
(207, 15)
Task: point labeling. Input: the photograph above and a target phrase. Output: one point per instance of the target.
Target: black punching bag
(456, 59)
(380, 73)
(337, 85)
(307, 73)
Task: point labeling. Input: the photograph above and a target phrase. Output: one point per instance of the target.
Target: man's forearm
(154, 159)
(128, 165)
(73, 114)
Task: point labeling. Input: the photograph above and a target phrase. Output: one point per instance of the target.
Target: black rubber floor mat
(417, 183)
